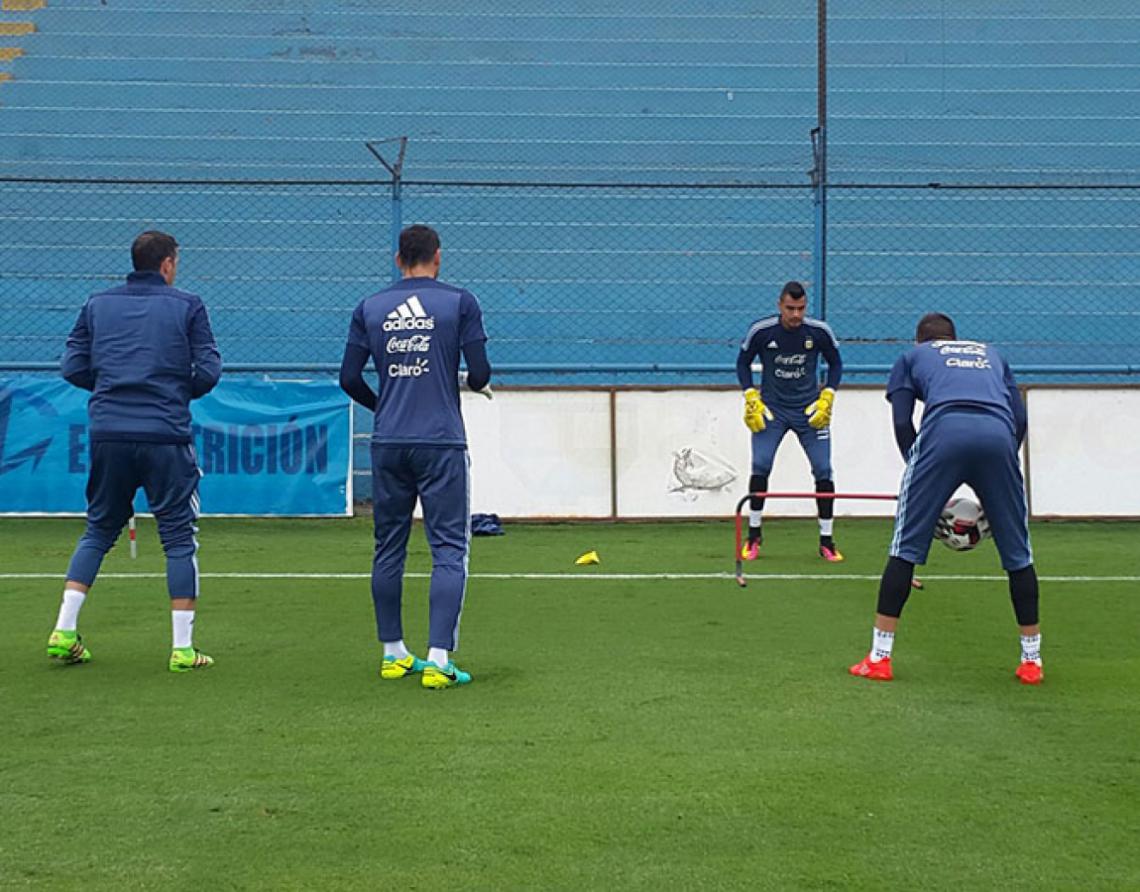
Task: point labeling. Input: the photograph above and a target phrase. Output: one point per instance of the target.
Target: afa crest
(807, 343)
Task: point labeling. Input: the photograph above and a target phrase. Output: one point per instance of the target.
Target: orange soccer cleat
(876, 671)
(1030, 672)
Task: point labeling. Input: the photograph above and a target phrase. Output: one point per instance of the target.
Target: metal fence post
(819, 158)
(396, 169)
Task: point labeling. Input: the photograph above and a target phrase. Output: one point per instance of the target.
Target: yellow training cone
(590, 557)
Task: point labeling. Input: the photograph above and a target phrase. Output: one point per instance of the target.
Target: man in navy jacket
(144, 350)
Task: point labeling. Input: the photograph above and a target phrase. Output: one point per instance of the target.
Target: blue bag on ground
(486, 525)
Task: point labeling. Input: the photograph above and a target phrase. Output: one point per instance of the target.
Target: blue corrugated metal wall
(645, 93)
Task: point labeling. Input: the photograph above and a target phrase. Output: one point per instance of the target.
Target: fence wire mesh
(1051, 275)
(568, 276)
(610, 280)
(279, 266)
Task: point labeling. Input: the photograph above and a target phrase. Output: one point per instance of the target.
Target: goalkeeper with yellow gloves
(789, 398)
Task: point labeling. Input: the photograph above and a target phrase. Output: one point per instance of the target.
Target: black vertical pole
(819, 172)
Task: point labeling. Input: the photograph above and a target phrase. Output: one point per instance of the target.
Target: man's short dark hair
(151, 248)
(793, 289)
(935, 327)
(418, 244)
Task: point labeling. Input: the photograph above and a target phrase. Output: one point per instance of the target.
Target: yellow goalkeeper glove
(756, 414)
(819, 412)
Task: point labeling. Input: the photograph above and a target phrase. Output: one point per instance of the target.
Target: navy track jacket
(144, 350)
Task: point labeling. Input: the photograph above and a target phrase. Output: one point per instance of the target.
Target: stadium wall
(618, 183)
(630, 454)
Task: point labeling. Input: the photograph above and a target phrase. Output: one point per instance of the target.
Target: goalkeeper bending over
(789, 346)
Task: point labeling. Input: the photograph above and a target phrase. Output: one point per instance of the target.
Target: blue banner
(264, 447)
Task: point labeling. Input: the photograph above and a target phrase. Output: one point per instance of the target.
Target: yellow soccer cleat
(390, 667)
(449, 676)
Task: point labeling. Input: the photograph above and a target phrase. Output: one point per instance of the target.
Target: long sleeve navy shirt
(791, 358)
(144, 350)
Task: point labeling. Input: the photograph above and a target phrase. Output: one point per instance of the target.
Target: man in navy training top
(789, 346)
(972, 426)
(144, 350)
(414, 331)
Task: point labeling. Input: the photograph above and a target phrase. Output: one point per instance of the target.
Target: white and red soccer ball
(962, 525)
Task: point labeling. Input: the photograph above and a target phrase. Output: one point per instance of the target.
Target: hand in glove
(485, 390)
(756, 414)
(819, 412)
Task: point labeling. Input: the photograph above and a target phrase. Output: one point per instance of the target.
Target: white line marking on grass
(586, 577)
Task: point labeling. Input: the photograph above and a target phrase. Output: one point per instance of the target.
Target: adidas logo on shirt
(772, 345)
(409, 316)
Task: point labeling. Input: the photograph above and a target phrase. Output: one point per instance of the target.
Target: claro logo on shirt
(409, 316)
(791, 366)
(409, 369)
(964, 354)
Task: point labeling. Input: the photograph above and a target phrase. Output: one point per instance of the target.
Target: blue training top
(948, 374)
(144, 350)
(791, 359)
(415, 330)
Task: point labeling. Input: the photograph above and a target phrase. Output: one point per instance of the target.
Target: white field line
(588, 576)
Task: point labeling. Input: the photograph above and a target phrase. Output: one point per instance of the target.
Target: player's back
(415, 329)
(141, 358)
(948, 375)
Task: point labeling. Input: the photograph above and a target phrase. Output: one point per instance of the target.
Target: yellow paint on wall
(8, 53)
(16, 29)
(22, 5)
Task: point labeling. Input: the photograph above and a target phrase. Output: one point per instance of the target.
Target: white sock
(69, 609)
(881, 645)
(754, 518)
(438, 656)
(825, 526)
(182, 624)
(395, 649)
(1031, 648)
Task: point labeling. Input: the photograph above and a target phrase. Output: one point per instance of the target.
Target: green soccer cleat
(187, 659)
(67, 647)
(390, 667)
(450, 676)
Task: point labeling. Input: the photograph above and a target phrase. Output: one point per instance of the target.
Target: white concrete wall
(540, 453)
(685, 453)
(1084, 457)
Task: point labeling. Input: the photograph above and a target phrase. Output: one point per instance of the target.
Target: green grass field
(620, 733)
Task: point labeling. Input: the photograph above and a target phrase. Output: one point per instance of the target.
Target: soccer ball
(962, 525)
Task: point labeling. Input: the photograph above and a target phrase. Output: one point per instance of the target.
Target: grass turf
(681, 734)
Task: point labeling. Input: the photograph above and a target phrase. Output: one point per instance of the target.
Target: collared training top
(144, 350)
(791, 360)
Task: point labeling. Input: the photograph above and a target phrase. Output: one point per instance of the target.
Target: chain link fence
(571, 278)
(279, 266)
(607, 284)
(1050, 275)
